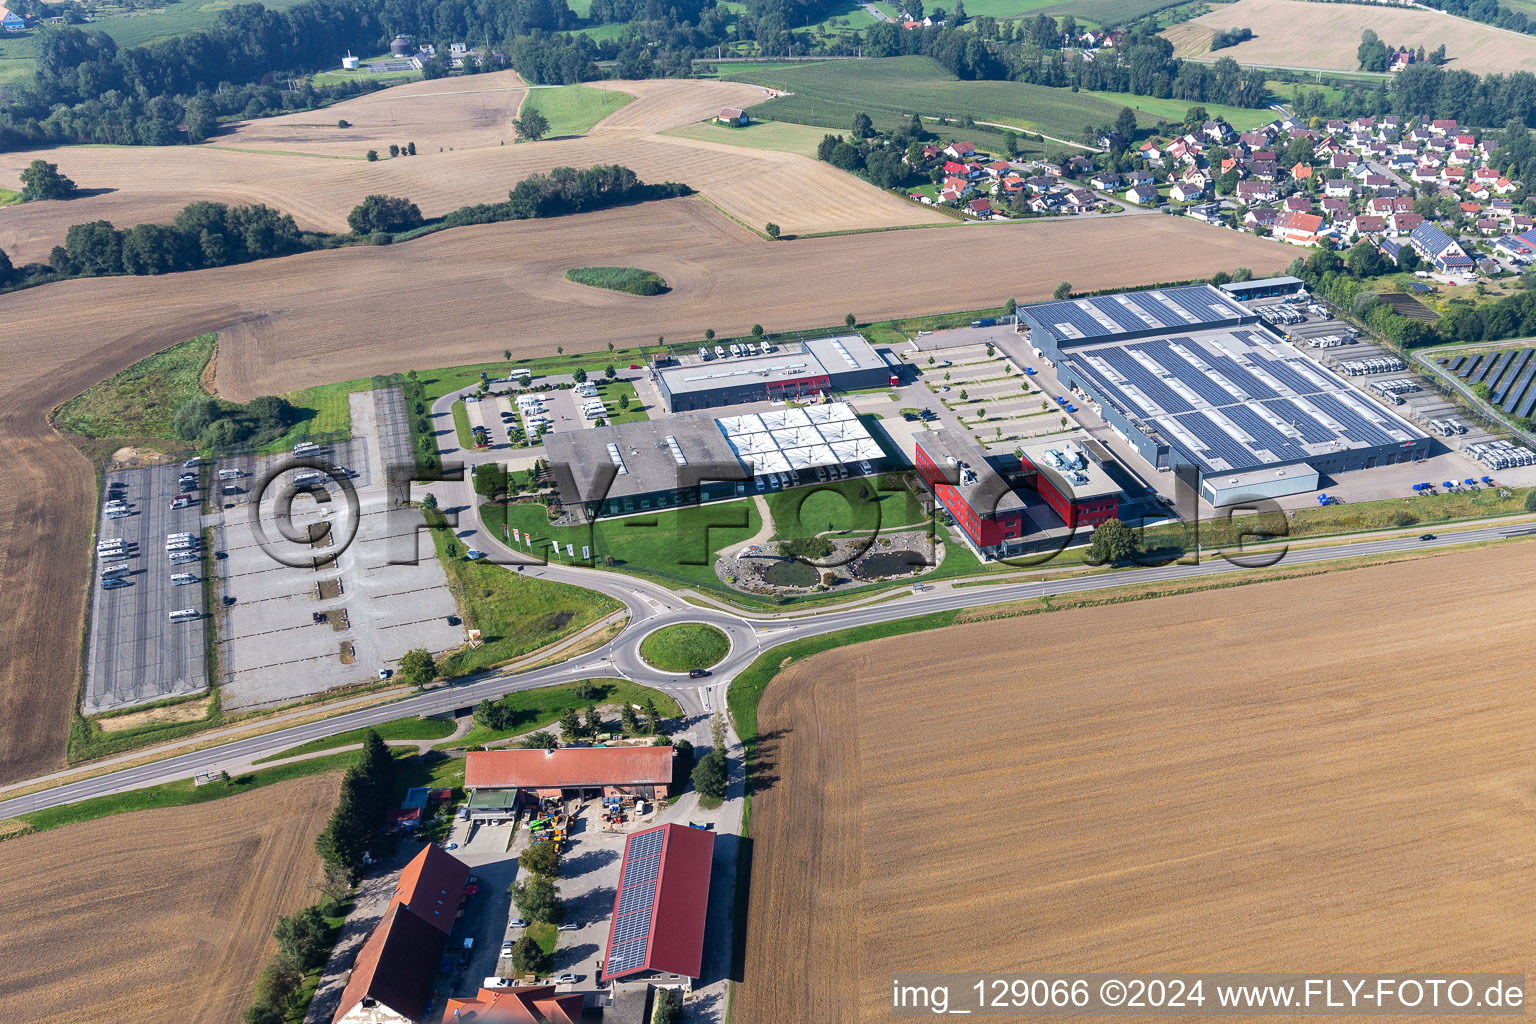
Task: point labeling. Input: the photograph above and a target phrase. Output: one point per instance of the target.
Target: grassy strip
(461, 426)
(411, 728)
(534, 709)
(174, 794)
(630, 280)
(685, 646)
(142, 400)
(515, 613)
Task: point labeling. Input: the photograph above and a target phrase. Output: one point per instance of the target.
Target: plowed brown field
(1299, 34)
(156, 915)
(462, 296)
(1290, 776)
(304, 165)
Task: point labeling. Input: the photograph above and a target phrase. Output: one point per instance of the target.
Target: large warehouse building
(500, 782)
(1191, 378)
(661, 906)
(795, 370)
(683, 460)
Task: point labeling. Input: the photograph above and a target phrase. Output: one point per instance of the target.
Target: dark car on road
(697, 673)
(1427, 536)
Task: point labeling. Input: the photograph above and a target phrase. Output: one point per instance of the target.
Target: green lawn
(613, 30)
(610, 390)
(461, 426)
(891, 89)
(325, 409)
(181, 792)
(629, 280)
(515, 613)
(778, 136)
(685, 646)
(142, 400)
(676, 545)
(537, 708)
(411, 728)
(1149, 107)
(574, 109)
(842, 506)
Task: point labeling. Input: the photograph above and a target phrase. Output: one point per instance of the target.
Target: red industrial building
(502, 781)
(964, 482)
(659, 911)
(1077, 489)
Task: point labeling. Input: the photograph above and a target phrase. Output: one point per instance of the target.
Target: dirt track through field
(305, 165)
(1290, 776)
(156, 915)
(1297, 33)
(462, 296)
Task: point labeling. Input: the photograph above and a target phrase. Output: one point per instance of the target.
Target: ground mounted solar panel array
(1509, 376)
(637, 900)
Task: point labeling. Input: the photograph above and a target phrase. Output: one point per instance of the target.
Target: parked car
(385, 673)
(570, 926)
(506, 948)
(517, 922)
(567, 979)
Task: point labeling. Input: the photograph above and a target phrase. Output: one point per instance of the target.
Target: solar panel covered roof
(659, 910)
(1187, 307)
(1234, 400)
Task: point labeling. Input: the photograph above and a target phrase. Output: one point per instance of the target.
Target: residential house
(1488, 226)
(1255, 191)
(1522, 222)
(1471, 209)
(932, 152)
(1142, 195)
(1440, 249)
(1079, 165)
(524, 1005)
(1424, 173)
(959, 150)
(1338, 188)
(1334, 208)
(1264, 170)
(1376, 181)
(1107, 181)
(1299, 228)
(955, 188)
(1443, 126)
(1261, 217)
(1216, 130)
(1367, 224)
(980, 208)
(1460, 158)
(10, 21)
(1082, 199)
(1184, 192)
(1040, 183)
(1141, 177)
(1301, 171)
(392, 979)
(1298, 204)
(1151, 152)
(1210, 213)
(998, 168)
(1503, 186)
(1403, 223)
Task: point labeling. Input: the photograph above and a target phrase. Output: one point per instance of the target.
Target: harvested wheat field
(305, 165)
(1288, 776)
(335, 315)
(1299, 34)
(156, 915)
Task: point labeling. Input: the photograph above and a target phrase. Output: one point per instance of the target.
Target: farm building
(10, 21)
(798, 370)
(500, 782)
(515, 1006)
(732, 116)
(689, 459)
(1180, 374)
(392, 980)
(657, 931)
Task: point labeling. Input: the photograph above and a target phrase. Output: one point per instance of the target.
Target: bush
(384, 213)
(1402, 517)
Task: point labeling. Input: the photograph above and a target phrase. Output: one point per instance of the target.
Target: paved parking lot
(371, 610)
(136, 654)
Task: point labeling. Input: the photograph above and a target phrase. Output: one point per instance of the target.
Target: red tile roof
(515, 1006)
(568, 767)
(397, 966)
(674, 941)
(432, 886)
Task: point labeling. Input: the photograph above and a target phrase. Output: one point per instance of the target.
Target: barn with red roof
(657, 930)
(501, 781)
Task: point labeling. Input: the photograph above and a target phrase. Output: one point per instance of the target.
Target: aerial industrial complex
(1191, 378)
(795, 370)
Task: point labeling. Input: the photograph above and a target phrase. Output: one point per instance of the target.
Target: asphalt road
(652, 607)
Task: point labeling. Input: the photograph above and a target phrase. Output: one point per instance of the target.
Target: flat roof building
(686, 459)
(1219, 396)
(1263, 288)
(1127, 315)
(987, 510)
(793, 370)
(501, 781)
(1076, 487)
(659, 911)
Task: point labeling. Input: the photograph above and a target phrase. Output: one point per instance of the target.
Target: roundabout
(685, 647)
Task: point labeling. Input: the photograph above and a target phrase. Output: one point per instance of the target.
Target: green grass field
(843, 506)
(1106, 12)
(1150, 107)
(400, 729)
(574, 109)
(338, 76)
(891, 89)
(677, 545)
(534, 709)
(142, 400)
(325, 409)
(778, 136)
(688, 645)
(598, 33)
(629, 280)
(515, 613)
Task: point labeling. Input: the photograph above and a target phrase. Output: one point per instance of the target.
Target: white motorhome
(184, 614)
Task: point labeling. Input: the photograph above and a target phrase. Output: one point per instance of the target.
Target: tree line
(210, 234)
